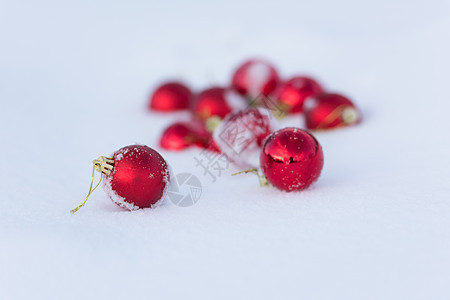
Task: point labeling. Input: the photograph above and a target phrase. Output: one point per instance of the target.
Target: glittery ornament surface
(139, 177)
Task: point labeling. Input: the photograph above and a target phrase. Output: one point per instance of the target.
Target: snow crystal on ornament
(115, 197)
(167, 178)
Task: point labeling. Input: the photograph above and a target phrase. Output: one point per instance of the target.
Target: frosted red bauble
(241, 134)
(327, 111)
(171, 96)
(255, 77)
(292, 93)
(182, 135)
(291, 159)
(139, 177)
(211, 102)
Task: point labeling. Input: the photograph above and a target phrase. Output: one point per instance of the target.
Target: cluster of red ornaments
(227, 120)
(290, 158)
(295, 95)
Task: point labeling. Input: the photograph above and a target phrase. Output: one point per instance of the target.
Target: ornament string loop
(262, 180)
(104, 165)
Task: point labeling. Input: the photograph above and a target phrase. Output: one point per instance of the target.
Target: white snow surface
(74, 84)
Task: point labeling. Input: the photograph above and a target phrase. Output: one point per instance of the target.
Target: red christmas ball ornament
(171, 96)
(182, 135)
(135, 176)
(241, 135)
(212, 102)
(255, 77)
(291, 159)
(292, 93)
(177, 136)
(327, 111)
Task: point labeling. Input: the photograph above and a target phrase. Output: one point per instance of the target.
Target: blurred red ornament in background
(211, 102)
(291, 159)
(292, 93)
(171, 96)
(177, 136)
(255, 77)
(327, 111)
(182, 135)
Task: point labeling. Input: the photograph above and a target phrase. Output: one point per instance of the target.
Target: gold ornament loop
(104, 165)
(262, 180)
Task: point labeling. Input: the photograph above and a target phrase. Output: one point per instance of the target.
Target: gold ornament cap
(104, 165)
(350, 115)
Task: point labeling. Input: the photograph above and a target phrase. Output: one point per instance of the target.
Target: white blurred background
(74, 83)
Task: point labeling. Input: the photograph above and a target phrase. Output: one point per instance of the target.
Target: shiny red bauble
(292, 93)
(139, 177)
(291, 159)
(182, 135)
(211, 102)
(327, 111)
(255, 77)
(241, 134)
(171, 96)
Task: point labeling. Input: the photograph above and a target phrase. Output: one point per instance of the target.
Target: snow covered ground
(74, 81)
